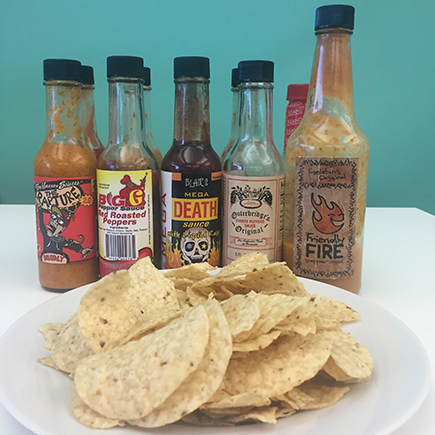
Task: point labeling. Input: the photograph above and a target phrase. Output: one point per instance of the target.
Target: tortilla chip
(90, 418)
(286, 363)
(128, 382)
(122, 301)
(200, 385)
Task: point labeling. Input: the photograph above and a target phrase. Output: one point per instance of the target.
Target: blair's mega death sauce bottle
(327, 165)
(127, 174)
(65, 188)
(191, 174)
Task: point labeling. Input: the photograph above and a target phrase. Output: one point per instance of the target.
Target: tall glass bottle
(191, 173)
(127, 174)
(235, 113)
(65, 191)
(253, 172)
(327, 165)
(147, 113)
(90, 135)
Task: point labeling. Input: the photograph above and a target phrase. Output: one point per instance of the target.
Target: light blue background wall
(393, 61)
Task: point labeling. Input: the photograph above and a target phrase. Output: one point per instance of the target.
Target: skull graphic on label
(195, 245)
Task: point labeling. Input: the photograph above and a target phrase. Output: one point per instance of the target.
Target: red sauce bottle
(297, 99)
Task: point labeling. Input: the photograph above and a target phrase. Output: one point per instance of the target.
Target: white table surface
(398, 275)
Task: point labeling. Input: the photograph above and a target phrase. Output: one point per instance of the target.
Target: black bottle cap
(62, 69)
(235, 77)
(125, 66)
(87, 75)
(256, 71)
(146, 76)
(192, 66)
(334, 16)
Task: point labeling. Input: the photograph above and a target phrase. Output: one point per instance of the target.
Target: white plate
(39, 397)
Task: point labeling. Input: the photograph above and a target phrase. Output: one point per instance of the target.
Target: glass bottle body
(191, 182)
(326, 173)
(253, 174)
(90, 134)
(128, 183)
(65, 194)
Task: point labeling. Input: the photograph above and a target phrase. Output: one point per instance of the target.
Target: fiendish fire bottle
(327, 165)
(191, 173)
(65, 188)
(235, 113)
(127, 174)
(253, 172)
(147, 113)
(90, 135)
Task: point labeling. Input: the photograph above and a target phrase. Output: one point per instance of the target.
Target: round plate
(39, 397)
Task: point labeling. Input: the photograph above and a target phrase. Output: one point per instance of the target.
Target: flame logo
(329, 215)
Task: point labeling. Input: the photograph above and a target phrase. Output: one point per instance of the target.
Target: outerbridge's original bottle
(253, 172)
(327, 165)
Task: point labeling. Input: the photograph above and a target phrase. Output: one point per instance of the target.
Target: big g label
(125, 218)
(65, 210)
(191, 228)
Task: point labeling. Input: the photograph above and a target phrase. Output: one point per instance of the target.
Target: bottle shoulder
(127, 157)
(58, 160)
(255, 157)
(320, 134)
(191, 158)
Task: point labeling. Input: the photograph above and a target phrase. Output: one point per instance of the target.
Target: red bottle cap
(298, 91)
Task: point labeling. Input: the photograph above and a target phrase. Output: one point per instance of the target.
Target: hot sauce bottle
(327, 165)
(147, 113)
(65, 188)
(127, 174)
(235, 113)
(253, 172)
(191, 173)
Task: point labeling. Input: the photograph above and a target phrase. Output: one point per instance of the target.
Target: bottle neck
(192, 114)
(236, 113)
(256, 111)
(125, 111)
(331, 87)
(63, 111)
(88, 112)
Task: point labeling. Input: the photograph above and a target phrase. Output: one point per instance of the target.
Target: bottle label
(253, 216)
(325, 210)
(66, 219)
(294, 113)
(191, 224)
(125, 218)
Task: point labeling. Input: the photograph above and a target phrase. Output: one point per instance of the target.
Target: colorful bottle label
(125, 218)
(66, 220)
(253, 216)
(191, 224)
(325, 210)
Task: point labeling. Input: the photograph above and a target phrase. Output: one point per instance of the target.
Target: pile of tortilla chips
(246, 344)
